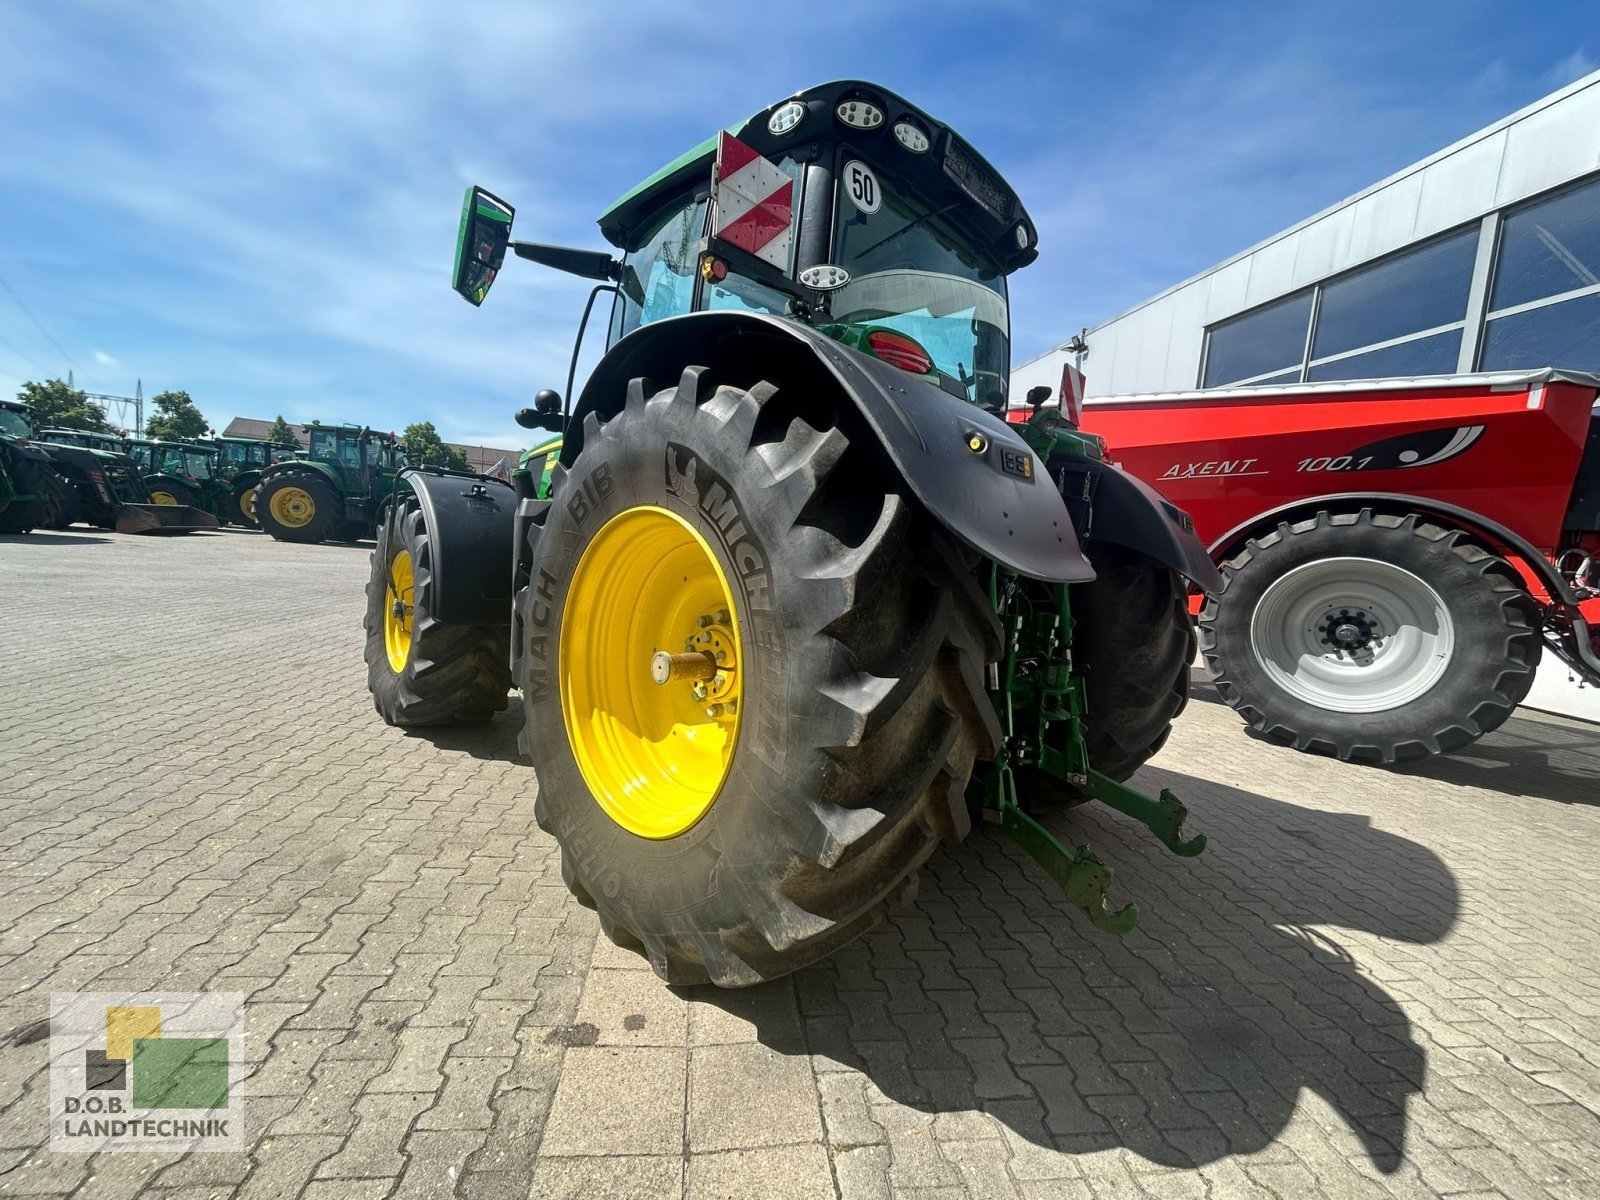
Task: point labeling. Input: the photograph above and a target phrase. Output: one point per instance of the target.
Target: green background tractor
(33, 495)
(239, 463)
(800, 605)
(335, 492)
(180, 473)
(109, 487)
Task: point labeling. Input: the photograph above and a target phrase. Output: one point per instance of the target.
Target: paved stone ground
(1374, 983)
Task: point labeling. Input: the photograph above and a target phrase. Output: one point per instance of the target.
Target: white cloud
(1571, 68)
(104, 359)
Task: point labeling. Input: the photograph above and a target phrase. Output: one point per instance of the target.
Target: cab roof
(949, 164)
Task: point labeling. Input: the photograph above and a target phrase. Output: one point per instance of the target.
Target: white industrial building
(1484, 256)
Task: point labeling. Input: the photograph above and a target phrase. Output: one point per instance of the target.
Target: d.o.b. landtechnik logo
(146, 1071)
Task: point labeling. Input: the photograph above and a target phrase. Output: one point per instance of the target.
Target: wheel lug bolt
(714, 710)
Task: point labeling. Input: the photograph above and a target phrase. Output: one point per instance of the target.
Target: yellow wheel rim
(247, 503)
(163, 498)
(397, 611)
(292, 506)
(654, 755)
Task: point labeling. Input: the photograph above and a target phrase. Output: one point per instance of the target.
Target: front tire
(420, 671)
(1133, 642)
(737, 844)
(65, 501)
(1370, 637)
(298, 506)
(30, 476)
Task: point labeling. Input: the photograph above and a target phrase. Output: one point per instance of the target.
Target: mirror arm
(588, 264)
(577, 345)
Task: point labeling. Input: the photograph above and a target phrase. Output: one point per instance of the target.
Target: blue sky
(257, 203)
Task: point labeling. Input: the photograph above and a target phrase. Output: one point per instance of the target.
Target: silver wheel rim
(1352, 635)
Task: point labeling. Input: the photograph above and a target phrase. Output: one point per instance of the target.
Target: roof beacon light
(824, 277)
(858, 114)
(786, 117)
(911, 136)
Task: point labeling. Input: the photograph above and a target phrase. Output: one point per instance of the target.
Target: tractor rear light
(898, 350)
(1071, 394)
(713, 270)
(912, 136)
(859, 114)
(96, 475)
(786, 118)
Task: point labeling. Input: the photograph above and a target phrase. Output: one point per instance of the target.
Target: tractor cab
(238, 454)
(844, 208)
(16, 421)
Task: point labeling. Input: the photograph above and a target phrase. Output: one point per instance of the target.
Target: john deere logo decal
(145, 1071)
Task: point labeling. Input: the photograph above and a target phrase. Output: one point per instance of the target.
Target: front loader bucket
(163, 519)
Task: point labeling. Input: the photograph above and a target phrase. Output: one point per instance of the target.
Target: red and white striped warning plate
(754, 201)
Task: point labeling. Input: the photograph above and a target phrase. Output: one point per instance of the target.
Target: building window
(1402, 315)
(1262, 343)
(1544, 309)
(1432, 355)
(1419, 291)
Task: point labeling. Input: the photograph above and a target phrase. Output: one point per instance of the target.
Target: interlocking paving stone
(1374, 983)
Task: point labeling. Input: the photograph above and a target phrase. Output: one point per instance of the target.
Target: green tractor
(800, 605)
(335, 492)
(181, 473)
(109, 488)
(239, 464)
(33, 494)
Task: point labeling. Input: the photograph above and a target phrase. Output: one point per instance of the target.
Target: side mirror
(1038, 397)
(481, 243)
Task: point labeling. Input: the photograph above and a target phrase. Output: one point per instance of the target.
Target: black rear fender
(1126, 511)
(971, 471)
(469, 521)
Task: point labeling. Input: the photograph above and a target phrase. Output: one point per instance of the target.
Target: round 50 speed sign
(861, 185)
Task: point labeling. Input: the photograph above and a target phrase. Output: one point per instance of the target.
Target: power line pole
(118, 406)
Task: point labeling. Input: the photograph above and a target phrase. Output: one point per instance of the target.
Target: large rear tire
(738, 836)
(31, 476)
(298, 506)
(1370, 637)
(420, 671)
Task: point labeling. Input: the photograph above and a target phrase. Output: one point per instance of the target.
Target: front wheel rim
(654, 754)
(1355, 635)
(163, 498)
(399, 596)
(247, 503)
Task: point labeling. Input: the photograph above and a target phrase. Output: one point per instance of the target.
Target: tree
(423, 445)
(55, 403)
(175, 417)
(280, 434)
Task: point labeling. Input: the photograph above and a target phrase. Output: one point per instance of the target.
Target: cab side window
(658, 278)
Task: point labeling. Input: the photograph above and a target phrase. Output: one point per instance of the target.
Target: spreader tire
(1372, 637)
(1134, 642)
(856, 636)
(420, 671)
(298, 506)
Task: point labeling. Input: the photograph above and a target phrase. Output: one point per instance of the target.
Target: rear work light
(898, 350)
(859, 114)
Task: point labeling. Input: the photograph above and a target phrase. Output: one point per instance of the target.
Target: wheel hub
(649, 663)
(1352, 633)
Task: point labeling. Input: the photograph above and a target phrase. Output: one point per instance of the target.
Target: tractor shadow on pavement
(1187, 1041)
(493, 741)
(1549, 758)
(52, 539)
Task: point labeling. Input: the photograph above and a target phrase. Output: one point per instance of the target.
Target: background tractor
(32, 494)
(239, 463)
(798, 604)
(180, 473)
(335, 492)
